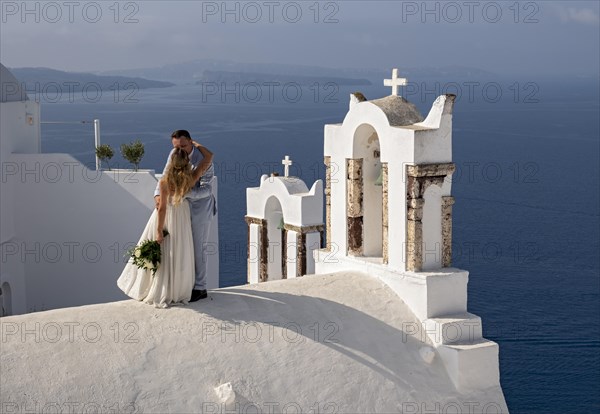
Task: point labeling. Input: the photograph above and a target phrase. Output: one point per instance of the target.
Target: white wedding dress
(174, 279)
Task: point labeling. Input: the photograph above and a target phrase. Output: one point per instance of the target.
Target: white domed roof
(10, 87)
(398, 110)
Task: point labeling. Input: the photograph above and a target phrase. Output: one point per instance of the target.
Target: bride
(174, 279)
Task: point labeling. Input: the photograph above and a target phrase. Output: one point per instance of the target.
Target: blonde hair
(179, 176)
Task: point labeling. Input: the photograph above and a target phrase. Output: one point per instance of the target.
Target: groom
(202, 204)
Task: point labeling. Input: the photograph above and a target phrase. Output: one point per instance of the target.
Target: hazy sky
(536, 37)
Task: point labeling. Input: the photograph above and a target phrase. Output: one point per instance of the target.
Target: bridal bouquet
(146, 255)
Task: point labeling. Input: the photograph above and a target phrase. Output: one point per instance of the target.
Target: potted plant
(133, 152)
(105, 152)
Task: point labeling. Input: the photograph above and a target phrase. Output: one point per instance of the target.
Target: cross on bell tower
(394, 82)
(286, 162)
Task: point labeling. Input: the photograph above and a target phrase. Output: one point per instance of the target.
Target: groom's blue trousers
(202, 208)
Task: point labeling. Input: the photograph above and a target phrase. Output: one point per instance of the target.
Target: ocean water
(526, 218)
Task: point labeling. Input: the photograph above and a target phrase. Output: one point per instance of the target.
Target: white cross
(394, 82)
(287, 162)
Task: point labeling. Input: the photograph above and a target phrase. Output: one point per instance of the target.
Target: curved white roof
(338, 339)
(293, 185)
(301, 206)
(10, 87)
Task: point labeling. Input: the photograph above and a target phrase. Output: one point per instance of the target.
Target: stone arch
(421, 180)
(365, 194)
(5, 299)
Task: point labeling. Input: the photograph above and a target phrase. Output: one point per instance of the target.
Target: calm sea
(526, 218)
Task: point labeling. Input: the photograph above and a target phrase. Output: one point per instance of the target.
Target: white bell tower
(389, 215)
(285, 226)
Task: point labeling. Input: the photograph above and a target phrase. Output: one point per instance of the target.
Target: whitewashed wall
(19, 132)
(73, 226)
(17, 136)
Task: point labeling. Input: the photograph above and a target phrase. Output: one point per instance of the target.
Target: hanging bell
(379, 180)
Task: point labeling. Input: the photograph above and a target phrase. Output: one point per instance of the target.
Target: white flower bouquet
(147, 255)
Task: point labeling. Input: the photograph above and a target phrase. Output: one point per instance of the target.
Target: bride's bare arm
(157, 190)
(162, 209)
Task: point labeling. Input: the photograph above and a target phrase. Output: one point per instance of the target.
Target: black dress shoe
(198, 294)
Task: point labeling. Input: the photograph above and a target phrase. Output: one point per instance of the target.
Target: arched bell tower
(388, 186)
(285, 225)
(389, 214)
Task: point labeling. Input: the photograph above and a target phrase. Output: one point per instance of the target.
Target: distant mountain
(193, 71)
(76, 81)
(261, 78)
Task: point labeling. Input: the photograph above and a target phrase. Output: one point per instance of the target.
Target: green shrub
(133, 152)
(105, 152)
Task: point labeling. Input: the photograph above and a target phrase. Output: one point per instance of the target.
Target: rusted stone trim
(430, 170)
(447, 202)
(300, 254)
(264, 252)
(254, 220)
(385, 210)
(354, 206)
(416, 186)
(414, 245)
(248, 253)
(303, 229)
(414, 226)
(262, 249)
(355, 227)
(284, 248)
(327, 161)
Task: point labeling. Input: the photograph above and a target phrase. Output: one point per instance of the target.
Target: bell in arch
(379, 180)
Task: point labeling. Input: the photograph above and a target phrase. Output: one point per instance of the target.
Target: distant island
(192, 71)
(261, 78)
(36, 79)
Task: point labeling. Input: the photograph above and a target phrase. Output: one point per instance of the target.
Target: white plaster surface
(472, 365)
(321, 339)
(434, 135)
(313, 242)
(292, 249)
(70, 235)
(300, 206)
(428, 294)
(454, 329)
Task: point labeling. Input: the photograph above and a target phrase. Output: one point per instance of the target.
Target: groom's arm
(201, 191)
(205, 163)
